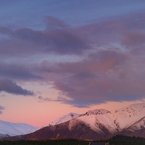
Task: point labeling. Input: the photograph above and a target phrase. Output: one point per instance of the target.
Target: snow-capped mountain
(96, 124)
(95, 118)
(64, 118)
(12, 129)
(127, 116)
(121, 118)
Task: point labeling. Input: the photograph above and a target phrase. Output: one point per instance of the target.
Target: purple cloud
(111, 70)
(17, 71)
(44, 99)
(77, 103)
(103, 76)
(61, 39)
(5, 30)
(84, 81)
(57, 38)
(134, 39)
(12, 88)
(56, 41)
(55, 23)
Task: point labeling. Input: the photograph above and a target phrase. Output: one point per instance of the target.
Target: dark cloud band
(11, 87)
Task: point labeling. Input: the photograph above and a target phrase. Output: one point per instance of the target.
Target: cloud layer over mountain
(88, 64)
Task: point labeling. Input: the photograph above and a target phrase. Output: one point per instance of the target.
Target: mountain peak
(137, 105)
(132, 110)
(97, 112)
(65, 118)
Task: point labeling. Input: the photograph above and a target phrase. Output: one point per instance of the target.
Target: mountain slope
(8, 128)
(64, 118)
(137, 125)
(99, 117)
(127, 116)
(136, 129)
(71, 129)
(3, 136)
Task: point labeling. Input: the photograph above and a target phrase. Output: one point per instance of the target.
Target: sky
(58, 57)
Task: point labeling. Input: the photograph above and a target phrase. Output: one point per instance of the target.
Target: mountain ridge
(102, 123)
(13, 129)
(130, 114)
(96, 124)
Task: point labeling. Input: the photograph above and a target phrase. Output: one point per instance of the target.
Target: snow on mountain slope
(125, 117)
(64, 118)
(96, 119)
(139, 125)
(15, 128)
(103, 121)
(96, 124)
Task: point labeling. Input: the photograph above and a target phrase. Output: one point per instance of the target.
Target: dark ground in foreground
(117, 140)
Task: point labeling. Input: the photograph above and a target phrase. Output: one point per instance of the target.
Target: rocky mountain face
(96, 124)
(70, 129)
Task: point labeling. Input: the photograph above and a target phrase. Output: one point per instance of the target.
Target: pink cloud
(134, 39)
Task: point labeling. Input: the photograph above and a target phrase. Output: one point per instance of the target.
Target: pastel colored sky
(61, 56)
